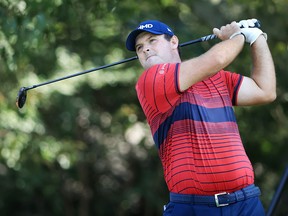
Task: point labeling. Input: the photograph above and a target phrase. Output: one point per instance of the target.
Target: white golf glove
(250, 31)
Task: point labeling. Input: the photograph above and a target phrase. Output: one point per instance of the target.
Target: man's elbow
(270, 97)
(273, 97)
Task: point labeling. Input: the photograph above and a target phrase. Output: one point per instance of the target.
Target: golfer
(189, 107)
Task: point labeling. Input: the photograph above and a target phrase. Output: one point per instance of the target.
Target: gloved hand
(250, 31)
(251, 34)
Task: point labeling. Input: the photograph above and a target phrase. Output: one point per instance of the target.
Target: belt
(219, 199)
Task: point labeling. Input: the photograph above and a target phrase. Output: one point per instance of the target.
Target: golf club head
(21, 97)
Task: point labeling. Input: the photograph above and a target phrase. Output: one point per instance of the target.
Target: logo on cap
(145, 26)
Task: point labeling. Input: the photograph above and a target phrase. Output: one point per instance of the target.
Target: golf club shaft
(204, 38)
(81, 73)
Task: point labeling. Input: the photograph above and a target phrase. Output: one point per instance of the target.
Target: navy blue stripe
(154, 94)
(193, 112)
(165, 88)
(176, 79)
(236, 90)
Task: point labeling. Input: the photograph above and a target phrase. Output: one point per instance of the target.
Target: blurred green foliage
(82, 146)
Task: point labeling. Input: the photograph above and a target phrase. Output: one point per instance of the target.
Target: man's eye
(138, 48)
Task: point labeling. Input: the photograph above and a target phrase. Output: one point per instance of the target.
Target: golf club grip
(204, 38)
(257, 24)
(213, 36)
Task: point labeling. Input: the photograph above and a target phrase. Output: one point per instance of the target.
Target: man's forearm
(263, 72)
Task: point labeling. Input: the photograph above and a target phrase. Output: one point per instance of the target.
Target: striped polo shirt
(195, 131)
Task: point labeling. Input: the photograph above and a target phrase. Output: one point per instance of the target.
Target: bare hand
(225, 32)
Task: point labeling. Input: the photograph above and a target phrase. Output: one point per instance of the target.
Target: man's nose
(146, 48)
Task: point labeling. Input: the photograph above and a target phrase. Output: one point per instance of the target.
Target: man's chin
(151, 63)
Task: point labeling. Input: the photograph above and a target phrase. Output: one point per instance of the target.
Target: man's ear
(174, 41)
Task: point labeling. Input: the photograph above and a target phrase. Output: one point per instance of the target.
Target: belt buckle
(217, 199)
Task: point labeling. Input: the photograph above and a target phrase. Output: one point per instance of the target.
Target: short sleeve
(233, 81)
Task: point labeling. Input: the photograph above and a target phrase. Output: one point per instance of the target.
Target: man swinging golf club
(189, 107)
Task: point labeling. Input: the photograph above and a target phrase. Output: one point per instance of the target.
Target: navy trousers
(248, 207)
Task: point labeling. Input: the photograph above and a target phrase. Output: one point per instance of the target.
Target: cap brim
(131, 39)
(130, 42)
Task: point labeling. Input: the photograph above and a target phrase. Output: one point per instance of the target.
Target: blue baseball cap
(152, 26)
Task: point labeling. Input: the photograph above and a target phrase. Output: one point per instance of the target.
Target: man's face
(154, 49)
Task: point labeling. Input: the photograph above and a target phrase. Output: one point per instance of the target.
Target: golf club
(22, 94)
